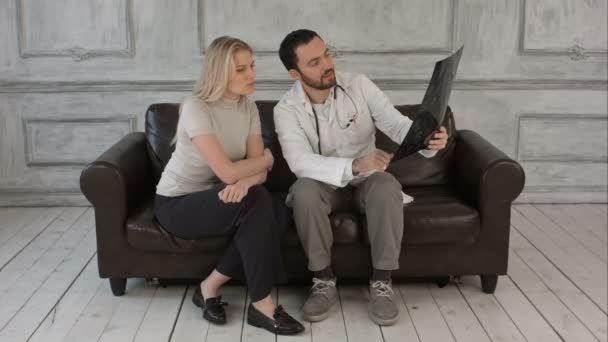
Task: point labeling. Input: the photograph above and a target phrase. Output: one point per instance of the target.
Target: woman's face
(242, 81)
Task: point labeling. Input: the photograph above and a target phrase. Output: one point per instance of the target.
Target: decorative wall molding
(570, 156)
(451, 33)
(559, 188)
(575, 52)
(49, 190)
(555, 193)
(42, 198)
(563, 194)
(35, 155)
(20, 87)
(77, 53)
(561, 197)
(559, 64)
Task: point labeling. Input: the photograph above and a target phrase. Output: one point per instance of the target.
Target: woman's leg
(257, 241)
(282, 216)
(211, 285)
(254, 253)
(199, 215)
(231, 262)
(266, 306)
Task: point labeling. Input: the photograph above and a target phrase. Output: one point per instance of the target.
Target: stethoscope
(350, 121)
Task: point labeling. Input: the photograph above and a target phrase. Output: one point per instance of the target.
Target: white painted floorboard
(555, 290)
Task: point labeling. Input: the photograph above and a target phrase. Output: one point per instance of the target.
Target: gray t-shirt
(232, 121)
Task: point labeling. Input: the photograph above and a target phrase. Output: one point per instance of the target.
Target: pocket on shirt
(362, 130)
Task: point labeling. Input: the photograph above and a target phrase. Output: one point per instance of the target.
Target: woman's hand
(234, 193)
(270, 158)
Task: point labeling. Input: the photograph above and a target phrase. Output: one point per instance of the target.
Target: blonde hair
(217, 70)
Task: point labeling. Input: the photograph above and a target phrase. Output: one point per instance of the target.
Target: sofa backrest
(416, 169)
(161, 124)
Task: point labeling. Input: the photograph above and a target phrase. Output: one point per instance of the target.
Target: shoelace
(321, 286)
(382, 288)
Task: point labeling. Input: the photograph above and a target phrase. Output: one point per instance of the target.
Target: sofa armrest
(115, 184)
(121, 177)
(484, 173)
(489, 180)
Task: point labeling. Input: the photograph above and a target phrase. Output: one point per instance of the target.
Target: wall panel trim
(451, 27)
(284, 85)
(575, 52)
(76, 53)
(29, 153)
(561, 116)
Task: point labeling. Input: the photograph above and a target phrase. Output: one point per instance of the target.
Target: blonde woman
(211, 186)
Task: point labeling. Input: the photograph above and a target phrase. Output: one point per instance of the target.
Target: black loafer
(213, 308)
(282, 324)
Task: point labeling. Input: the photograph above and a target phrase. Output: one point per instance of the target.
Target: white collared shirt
(370, 108)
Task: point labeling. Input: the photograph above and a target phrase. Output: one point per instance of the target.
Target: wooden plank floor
(556, 290)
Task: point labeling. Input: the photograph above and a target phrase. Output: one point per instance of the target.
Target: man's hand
(234, 193)
(438, 140)
(375, 160)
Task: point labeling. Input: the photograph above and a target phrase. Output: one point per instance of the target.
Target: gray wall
(76, 75)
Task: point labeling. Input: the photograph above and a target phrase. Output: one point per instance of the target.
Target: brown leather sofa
(458, 223)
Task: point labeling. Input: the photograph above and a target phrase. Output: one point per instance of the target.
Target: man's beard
(320, 84)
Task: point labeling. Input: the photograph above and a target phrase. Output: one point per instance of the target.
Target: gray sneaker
(323, 295)
(382, 307)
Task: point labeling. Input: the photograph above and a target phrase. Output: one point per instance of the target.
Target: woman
(211, 186)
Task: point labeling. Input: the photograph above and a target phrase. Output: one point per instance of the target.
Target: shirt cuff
(348, 171)
(427, 153)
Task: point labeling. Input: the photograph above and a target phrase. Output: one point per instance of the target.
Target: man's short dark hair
(287, 51)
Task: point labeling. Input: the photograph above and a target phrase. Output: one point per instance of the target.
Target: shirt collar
(297, 96)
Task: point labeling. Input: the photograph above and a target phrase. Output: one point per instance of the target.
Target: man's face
(315, 64)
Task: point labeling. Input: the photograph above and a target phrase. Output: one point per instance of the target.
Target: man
(326, 126)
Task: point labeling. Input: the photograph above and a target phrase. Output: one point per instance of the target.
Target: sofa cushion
(437, 216)
(145, 233)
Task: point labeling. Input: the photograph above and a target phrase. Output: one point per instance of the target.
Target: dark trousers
(257, 224)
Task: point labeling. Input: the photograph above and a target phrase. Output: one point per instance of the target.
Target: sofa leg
(118, 286)
(488, 282)
(442, 282)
